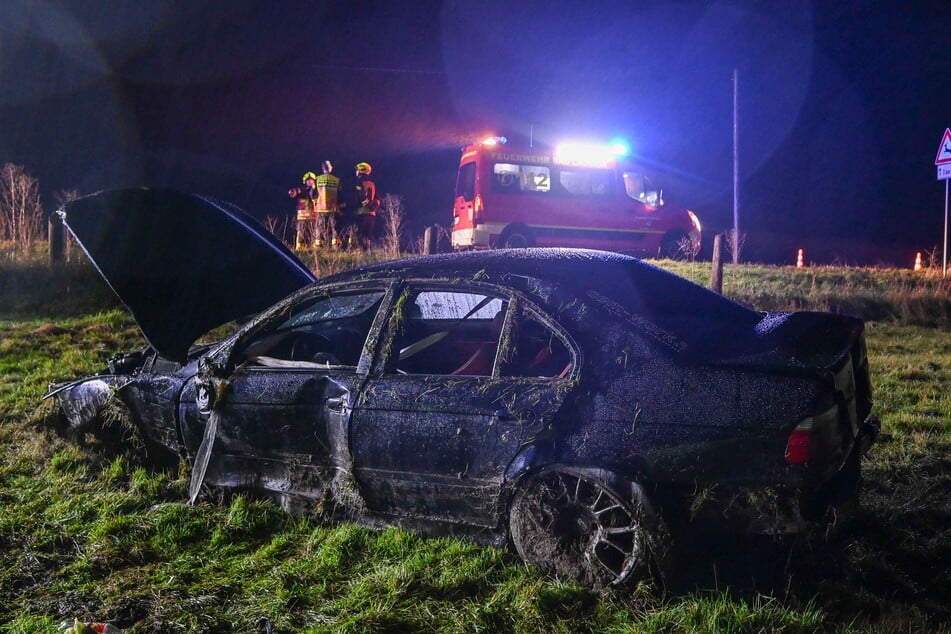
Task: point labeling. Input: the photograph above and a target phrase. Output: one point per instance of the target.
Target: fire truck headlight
(694, 220)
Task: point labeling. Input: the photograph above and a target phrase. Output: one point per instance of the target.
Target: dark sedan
(583, 406)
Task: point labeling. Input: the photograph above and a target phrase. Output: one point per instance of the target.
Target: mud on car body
(584, 406)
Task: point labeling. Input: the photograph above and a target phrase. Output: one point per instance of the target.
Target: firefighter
(366, 205)
(327, 208)
(306, 211)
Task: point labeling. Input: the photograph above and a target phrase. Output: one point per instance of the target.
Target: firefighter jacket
(327, 187)
(366, 199)
(306, 202)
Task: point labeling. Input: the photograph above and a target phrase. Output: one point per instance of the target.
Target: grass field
(95, 532)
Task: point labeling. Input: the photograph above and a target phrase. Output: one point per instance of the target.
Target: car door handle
(336, 405)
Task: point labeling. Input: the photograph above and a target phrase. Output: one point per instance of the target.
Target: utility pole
(736, 169)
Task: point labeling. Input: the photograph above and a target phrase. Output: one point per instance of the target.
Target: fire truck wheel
(516, 238)
(672, 247)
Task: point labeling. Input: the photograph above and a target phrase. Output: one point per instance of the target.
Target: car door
(446, 409)
(282, 419)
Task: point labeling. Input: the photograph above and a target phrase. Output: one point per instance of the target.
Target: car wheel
(573, 525)
(517, 238)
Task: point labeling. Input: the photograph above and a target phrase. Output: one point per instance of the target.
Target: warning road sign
(944, 150)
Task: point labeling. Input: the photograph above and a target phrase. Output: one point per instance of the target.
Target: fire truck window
(465, 185)
(596, 183)
(640, 188)
(534, 178)
(506, 175)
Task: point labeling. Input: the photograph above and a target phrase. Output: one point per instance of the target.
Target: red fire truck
(572, 195)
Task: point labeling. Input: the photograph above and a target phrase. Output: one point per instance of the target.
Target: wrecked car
(582, 406)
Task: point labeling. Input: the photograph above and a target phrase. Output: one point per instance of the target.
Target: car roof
(623, 287)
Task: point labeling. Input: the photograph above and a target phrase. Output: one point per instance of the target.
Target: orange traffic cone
(799, 260)
(918, 261)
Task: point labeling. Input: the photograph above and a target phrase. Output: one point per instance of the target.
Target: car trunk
(830, 350)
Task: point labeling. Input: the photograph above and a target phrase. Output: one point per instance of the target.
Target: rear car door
(446, 409)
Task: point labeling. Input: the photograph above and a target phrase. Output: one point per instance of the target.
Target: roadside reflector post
(57, 236)
(918, 261)
(799, 262)
(429, 240)
(716, 275)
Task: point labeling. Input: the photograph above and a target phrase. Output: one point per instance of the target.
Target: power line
(372, 69)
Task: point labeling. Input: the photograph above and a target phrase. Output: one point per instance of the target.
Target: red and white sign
(944, 150)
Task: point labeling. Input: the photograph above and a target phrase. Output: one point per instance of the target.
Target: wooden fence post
(716, 275)
(429, 240)
(57, 238)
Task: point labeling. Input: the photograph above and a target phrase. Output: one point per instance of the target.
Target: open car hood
(182, 263)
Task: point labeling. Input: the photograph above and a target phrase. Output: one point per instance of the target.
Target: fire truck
(573, 195)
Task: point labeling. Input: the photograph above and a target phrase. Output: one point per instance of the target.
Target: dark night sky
(842, 104)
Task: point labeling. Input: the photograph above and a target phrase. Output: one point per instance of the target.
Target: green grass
(887, 295)
(93, 531)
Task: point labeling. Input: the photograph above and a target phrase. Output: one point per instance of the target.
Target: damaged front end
(83, 402)
(132, 399)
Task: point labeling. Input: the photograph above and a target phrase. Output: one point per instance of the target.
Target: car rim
(574, 527)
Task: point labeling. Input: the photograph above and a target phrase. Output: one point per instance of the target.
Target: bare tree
(735, 242)
(688, 248)
(277, 226)
(394, 219)
(21, 213)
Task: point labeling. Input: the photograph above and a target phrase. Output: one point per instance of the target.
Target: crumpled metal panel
(83, 402)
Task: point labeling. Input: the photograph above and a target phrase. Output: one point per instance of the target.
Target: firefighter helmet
(364, 168)
(309, 175)
(327, 166)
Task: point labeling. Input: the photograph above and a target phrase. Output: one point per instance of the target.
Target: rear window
(671, 310)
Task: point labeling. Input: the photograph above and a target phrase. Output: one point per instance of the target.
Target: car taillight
(799, 446)
(477, 208)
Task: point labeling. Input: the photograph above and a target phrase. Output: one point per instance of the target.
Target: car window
(446, 332)
(537, 351)
(333, 307)
(329, 330)
(458, 333)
